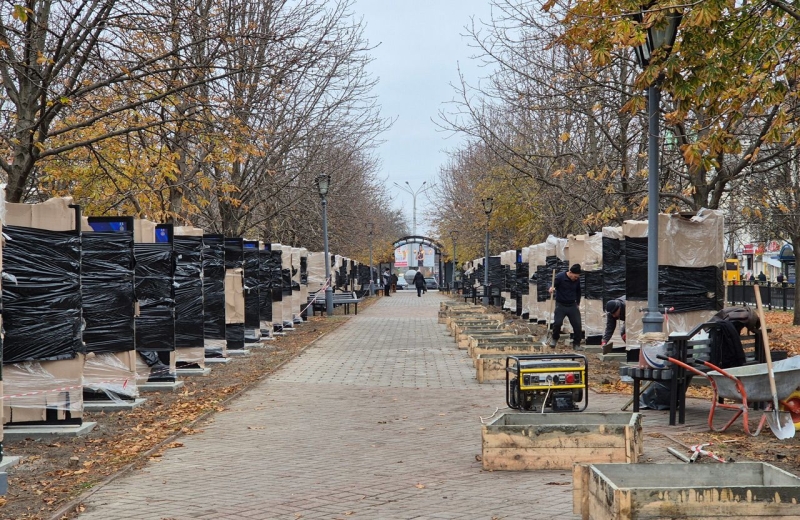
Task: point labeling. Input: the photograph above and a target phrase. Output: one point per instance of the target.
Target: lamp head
(488, 205)
(454, 235)
(661, 34)
(323, 183)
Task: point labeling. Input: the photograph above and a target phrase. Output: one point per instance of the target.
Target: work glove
(602, 343)
(624, 337)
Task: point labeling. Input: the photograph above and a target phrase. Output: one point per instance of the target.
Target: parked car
(430, 283)
(401, 283)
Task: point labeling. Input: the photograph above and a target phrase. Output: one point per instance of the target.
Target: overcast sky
(419, 52)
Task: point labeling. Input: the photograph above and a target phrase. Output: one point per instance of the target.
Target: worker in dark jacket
(615, 311)
(567, 288)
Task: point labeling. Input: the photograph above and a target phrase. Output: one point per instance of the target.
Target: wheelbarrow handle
(683, 365)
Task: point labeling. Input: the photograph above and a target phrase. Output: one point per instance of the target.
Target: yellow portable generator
(558, 382)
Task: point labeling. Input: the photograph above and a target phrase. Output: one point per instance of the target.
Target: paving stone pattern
(377, 420)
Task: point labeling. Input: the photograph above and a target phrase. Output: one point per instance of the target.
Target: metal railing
(774, 295)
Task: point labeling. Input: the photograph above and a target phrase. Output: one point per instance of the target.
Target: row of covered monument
(95, 307)
(614, 264)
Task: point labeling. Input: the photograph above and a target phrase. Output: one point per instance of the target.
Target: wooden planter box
(508, 349)
(490, 367)
(517, 441)
(698, 491)
(464, 337)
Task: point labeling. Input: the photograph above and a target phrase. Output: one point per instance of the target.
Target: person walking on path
(387, 282)
(615, 311)
(419, 283)
(394, 282)
(567, 288)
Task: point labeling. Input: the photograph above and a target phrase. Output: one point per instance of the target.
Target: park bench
(317, 302)
(686, 348)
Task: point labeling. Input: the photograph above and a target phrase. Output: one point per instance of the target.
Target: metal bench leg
(636, 385)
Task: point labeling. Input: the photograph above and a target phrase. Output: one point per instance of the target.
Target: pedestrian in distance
(779, 279)
(394, 282)
(387, 282)
(762, 277)
(419, 283)
(615, 311)
(567, 289)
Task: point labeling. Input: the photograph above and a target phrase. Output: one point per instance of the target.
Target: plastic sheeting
(276, 268)
(107, 291)
(154, 279)
(41, 295)
(106, 373)
(188, 291)
(36, 391)
(287, 301)
(234, 295)
(265, 287)
(213, 290)
(614, 264)
(252, 314)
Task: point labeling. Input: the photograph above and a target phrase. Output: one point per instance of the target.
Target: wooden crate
(752, 490)
(518, 441)
(490, 367)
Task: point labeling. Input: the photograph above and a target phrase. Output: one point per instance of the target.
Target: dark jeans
(419, 291)
(386, 290)
(574, 314)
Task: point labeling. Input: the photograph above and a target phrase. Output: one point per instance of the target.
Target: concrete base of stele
(160, 387)
(113, 406)
(194, 372)
(45, 431)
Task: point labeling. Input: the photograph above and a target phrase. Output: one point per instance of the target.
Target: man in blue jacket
(567, 289)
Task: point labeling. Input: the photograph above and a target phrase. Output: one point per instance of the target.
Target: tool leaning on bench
(317, 301)
(686, 349)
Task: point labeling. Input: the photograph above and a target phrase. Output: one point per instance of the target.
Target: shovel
(781, 424)
(549, 334)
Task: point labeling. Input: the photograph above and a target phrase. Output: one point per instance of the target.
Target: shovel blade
(781, 425)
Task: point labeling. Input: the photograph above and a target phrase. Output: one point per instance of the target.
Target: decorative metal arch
(418, 239)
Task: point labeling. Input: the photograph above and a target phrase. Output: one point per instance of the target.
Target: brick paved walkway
(377, 420)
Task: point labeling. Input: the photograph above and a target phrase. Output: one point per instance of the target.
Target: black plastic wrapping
(636, 268)
(252, 315)
(690, 288)
(265, 285)
(341, 276)
(277, 275)
(304, 270)
(286, 281)
(592, 285)
(523, 286)
(544, 276)
(42, 309)
(154, 277)
(614, 269)
(214, 287)
(496, 272)
(189, 319)
(235, 336)
(107, 291)
(234, 259)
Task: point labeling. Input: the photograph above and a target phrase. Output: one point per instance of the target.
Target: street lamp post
(371, 278)
(487, 208)
(323, 183)
(454, 236)
(413, 194)
(658, 36)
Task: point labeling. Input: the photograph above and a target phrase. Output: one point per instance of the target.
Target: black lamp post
(323, 183)
(488, 204)
(371, 279)
(454, 236)
(659, 36)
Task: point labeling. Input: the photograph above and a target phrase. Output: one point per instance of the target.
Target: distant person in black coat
(779, 279)
(419, 283)
(762, 277)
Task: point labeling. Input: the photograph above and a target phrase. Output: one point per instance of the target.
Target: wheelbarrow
(743, 385)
